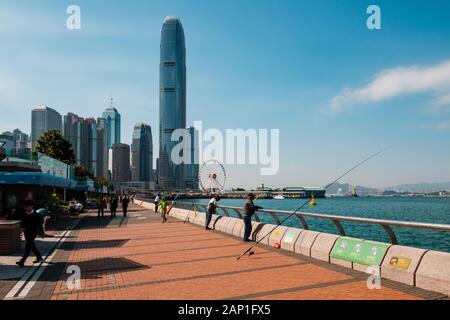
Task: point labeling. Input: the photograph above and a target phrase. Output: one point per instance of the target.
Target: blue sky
(336, 90)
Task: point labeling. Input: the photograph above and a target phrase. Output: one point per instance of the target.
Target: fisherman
(163, 205)
(249, 210)
(212, 205)
(32, 227)
(157, 201)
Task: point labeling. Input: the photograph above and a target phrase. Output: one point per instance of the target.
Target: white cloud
(443, 126)
(392, 83)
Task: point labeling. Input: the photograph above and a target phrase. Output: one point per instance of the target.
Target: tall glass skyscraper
(192, 169)
(112, 123)
(142, 153)
(43, 119)
(172, 103)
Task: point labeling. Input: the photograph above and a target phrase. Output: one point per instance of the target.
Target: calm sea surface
(430, 210)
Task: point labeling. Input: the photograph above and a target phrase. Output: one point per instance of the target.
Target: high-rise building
(90, 146)
(88, 140)
(102, 149)
(73, 132)
(172, 105)
(43, 119)
(193, 167)
(112, 125)
(142, 153)
(22, 139)
(120, 164)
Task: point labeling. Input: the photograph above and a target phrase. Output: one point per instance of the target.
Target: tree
(103, 182)
(82, 173)
(52, 144)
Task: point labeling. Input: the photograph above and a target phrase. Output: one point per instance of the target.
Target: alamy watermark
(73, 22)
(374, 20)
(232, 147)
(74, 280)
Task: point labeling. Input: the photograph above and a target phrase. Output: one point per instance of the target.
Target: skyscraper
(172, 105)
(73, 132)
(90, 146)
(43, 119)
(88, 141)
(112, 124)
(142, 153)
(21, 138)
(193, 167)
(102, 149)
(120, 164)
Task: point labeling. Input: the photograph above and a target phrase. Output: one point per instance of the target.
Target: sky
(337, 91)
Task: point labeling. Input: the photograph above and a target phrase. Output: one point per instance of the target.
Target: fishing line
(249, 250)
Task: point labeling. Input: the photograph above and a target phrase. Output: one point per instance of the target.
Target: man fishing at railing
(212, 205)
(249, 210)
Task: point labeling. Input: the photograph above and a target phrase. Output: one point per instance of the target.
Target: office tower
(90, 146)
(21, 139)
(43, 119)
(102, 148)
(74, 133)
(142, 153)
(112, 125)
(172, 105)
(193, 167)
(120, 162)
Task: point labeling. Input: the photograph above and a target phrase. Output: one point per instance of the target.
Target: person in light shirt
(212, 205)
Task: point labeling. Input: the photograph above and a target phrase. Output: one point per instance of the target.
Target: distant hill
(421, 187)
(348, 188)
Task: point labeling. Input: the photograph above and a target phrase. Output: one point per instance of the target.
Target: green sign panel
(359, 251)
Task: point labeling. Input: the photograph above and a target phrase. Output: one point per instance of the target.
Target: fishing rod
(249, 250)
(173, 203)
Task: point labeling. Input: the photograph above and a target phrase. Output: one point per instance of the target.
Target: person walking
(249, 210)
(212, 205)
(101, 207)
(157, 201)
(163, 205)
(113, 205)
(125, 202)
(32, 227)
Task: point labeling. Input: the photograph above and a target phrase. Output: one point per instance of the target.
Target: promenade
(140, 258)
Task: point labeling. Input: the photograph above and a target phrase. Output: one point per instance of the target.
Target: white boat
(279, 197)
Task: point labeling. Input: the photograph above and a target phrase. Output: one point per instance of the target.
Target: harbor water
(412, 209)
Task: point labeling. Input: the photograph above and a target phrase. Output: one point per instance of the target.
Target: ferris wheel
(212, 177)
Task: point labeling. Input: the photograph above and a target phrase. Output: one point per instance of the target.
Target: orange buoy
(277, 245)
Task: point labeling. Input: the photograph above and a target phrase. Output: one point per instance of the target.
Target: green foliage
(82, 173)
(52, 144)
(103, 182)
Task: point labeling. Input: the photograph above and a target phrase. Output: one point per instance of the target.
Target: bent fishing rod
(249, 250)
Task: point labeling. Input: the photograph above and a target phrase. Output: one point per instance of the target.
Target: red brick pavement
(144, 259)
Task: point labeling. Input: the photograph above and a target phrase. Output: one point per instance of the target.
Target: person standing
(101, 207)
(163, 205)
(125, 202)
(113, 205)
(157, 201)
(212, 205)
(32, 227)
(249, 210)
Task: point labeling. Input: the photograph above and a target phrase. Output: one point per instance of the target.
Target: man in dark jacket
(113, 205)
(125, 202)
(249, 210)
(32, 227)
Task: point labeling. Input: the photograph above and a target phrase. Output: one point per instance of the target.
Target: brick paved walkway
(140, 258)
